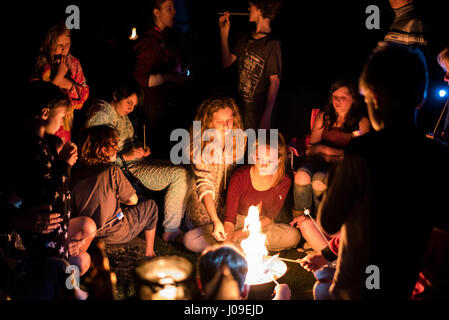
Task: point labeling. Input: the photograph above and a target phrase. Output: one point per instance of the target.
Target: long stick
(144, 138)
(307, 213)
(283, 259)
(441, 116)
(119, 216)
(235, 13)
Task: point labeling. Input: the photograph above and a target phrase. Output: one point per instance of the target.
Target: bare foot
(151, 254)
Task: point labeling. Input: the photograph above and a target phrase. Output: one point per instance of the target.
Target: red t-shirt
(241, 195)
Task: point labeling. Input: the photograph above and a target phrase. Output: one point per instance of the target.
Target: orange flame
(254, 246)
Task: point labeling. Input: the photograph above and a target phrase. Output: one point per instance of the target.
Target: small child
(42, 185)
(222, 271)
(99, 188)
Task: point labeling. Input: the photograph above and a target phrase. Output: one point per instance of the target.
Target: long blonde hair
(48, 45)
(205, 115)
(282, 155)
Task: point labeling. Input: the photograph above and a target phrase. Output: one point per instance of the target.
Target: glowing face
(266, 161)
(126, 106)
(112, 152)
(254, 13)
(62, 46)
(342, 100)
(223, 119)
(55, 119)
(165, 17)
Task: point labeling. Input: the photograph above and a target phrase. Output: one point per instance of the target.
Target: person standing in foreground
(383, 193)
(259, 60)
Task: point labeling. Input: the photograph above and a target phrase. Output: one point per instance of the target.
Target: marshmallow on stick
(307, 213)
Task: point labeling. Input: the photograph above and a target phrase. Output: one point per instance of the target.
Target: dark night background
(321, 42)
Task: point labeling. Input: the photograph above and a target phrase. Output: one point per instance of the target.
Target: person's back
(386, 194)
(400, 207)
(97, 192)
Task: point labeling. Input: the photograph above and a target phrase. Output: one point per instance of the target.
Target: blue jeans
(304, 195)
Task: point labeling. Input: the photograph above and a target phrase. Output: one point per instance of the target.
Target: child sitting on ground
(100, 189)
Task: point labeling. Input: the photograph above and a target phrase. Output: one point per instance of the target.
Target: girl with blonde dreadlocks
(220, 116)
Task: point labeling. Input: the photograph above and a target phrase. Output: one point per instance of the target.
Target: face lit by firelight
(267, 160)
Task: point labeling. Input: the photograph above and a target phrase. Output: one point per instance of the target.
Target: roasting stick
(283, 259)
(307, 213)
(118, 216)
(144, 138)
(235, 13)
(275, 281)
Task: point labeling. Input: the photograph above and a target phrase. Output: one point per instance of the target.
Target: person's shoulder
(242, 171)
(114, 169)
(99, 108)
(149, 38)
(241, 174)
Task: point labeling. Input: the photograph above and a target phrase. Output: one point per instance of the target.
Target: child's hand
(219, 231)
(40, 220)
(225, 24)
(69, 153)
(137, 153)
(147, 151)
(313, 262)
(74, 247)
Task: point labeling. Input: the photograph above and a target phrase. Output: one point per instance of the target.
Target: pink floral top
(78, 93)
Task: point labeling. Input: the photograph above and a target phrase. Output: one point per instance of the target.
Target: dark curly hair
(268, 8)
(213, 258)
(92, 142)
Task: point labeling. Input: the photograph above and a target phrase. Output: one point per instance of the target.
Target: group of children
(369, 189)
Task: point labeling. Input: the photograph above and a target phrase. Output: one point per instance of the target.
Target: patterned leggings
(158, 175)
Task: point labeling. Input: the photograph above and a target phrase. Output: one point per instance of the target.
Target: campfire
(261, 268)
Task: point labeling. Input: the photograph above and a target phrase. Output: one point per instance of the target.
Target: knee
(321, 291)
(302, 178)
(85, 263)
(318, 185)
(181, 175)
(88, 225)
(82, 261)
(193, 241)
(282, 237)
(294, 237)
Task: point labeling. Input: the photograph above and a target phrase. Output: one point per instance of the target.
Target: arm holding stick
(227, 58)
